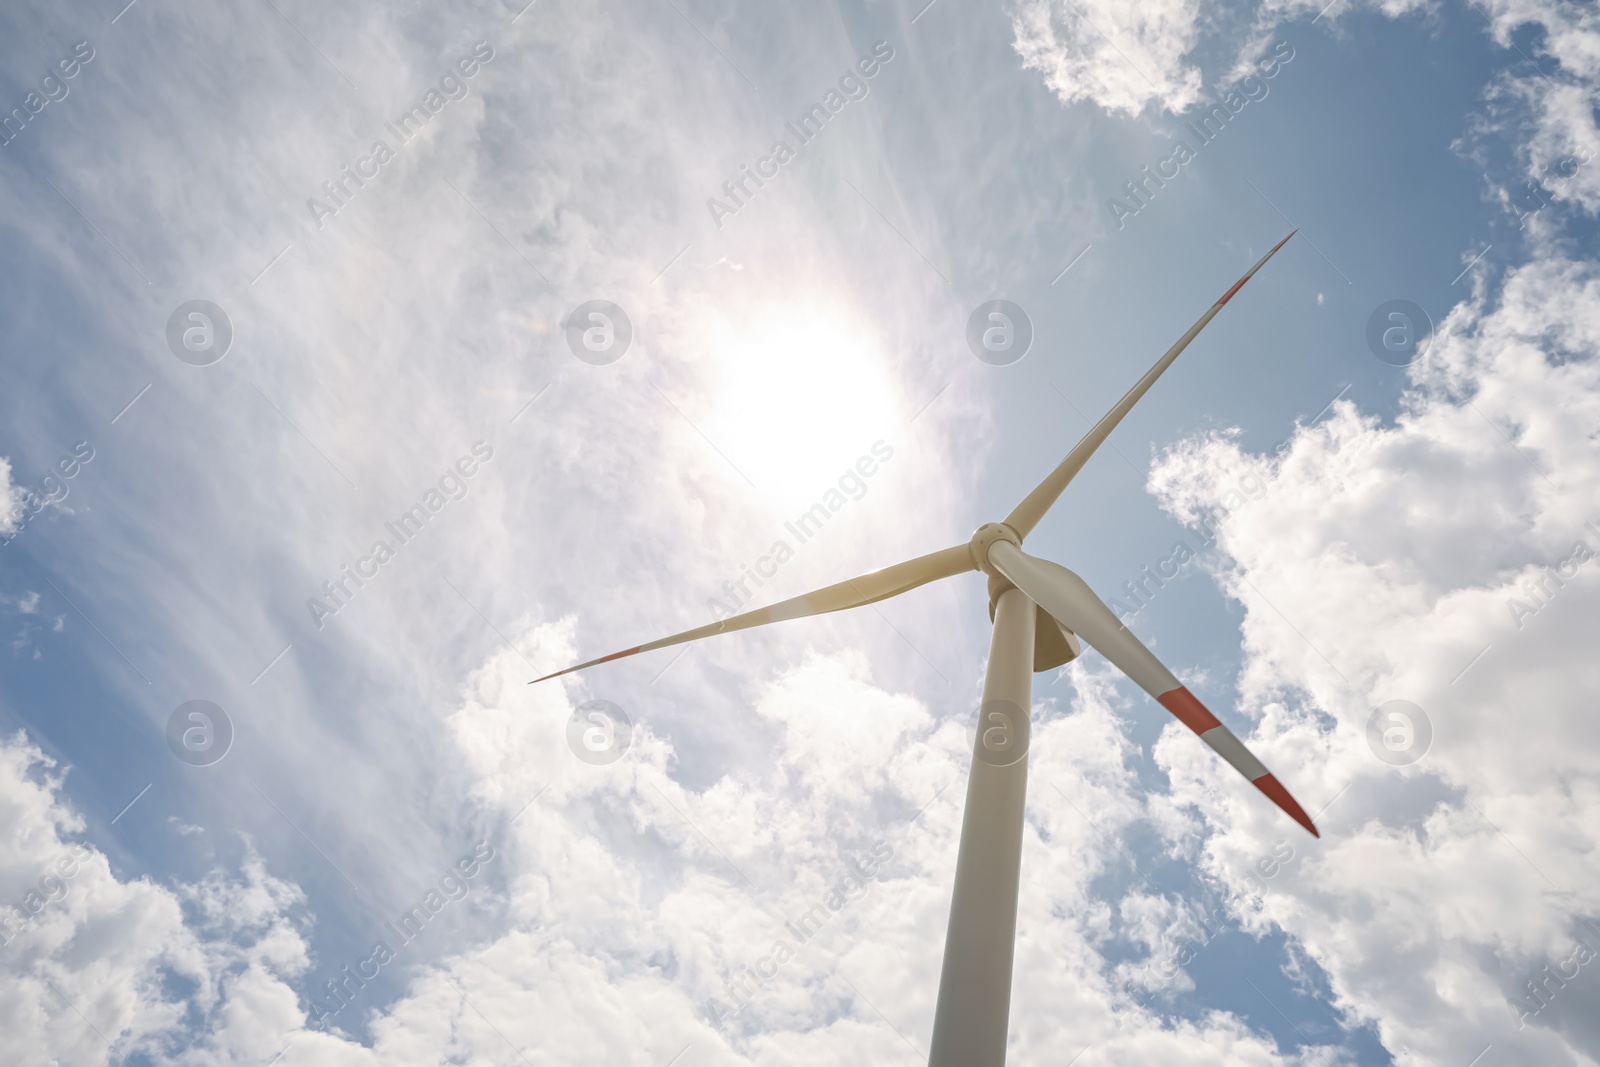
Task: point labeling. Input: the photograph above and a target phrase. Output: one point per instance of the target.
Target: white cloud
(628, 908)
(1547, 116)
(638, 900)
(88, 957)
(1124, 57)
(412, 277)
(1381, 561)
(11, 501)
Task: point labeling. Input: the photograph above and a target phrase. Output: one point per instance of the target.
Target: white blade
(1026, 515)
(1067, 597)
(850, 593)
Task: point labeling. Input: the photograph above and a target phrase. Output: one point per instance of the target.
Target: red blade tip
(592, 663)
(1280, 796)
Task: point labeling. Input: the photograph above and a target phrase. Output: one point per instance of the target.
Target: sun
(801, 393)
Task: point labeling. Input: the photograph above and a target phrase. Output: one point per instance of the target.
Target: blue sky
(1392, 521)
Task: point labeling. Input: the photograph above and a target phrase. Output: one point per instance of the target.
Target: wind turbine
(1040, 611)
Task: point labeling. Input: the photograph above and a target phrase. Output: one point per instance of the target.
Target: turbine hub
(984, 539)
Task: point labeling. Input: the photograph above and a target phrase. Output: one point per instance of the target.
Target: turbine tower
(1041, 611)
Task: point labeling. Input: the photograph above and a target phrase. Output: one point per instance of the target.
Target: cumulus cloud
(1452, 559)
(792, 916)
(1546, 115)
(91, 962)
(1123, 57)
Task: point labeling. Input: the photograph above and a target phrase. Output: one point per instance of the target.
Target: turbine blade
(1067, 597)
(850, 593)
(1026, 515)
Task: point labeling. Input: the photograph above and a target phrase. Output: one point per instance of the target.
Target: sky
(311, 457)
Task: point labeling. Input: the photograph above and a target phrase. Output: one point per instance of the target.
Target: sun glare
(801, 395)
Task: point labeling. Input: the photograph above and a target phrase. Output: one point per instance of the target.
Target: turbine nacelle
(1053, 643)
(983, 539)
